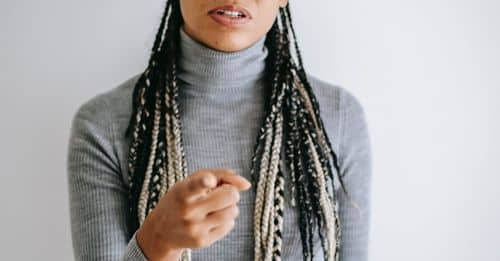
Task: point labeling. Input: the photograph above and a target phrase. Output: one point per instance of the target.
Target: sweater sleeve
(356, 171)
(97, 193)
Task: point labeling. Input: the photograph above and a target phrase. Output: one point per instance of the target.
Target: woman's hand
(194, 213)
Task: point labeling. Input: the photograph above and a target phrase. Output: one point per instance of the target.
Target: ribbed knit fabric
(221, 106)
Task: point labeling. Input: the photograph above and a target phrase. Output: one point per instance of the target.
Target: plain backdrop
(427, 73)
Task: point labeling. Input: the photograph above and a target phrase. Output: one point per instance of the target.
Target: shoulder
(104, 108)
(340, 109)
(347, 128)
(332, 95)
(115, 100)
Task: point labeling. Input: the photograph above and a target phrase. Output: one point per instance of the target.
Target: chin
(229, 41)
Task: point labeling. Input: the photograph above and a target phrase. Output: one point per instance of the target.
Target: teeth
(230, 13)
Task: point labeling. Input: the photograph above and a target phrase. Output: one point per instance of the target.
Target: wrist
(153, 245)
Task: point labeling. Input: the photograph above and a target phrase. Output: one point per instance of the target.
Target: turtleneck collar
(209, 69)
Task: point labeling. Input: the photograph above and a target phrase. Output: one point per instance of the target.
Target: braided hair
(292, 120)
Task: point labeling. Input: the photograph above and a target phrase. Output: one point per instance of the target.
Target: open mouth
(230, 15)
(232, 11)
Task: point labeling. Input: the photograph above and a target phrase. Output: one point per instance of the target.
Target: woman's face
(226, 31)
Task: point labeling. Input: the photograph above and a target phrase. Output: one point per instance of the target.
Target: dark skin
(199, 25)
(202, 209)
(194, 213)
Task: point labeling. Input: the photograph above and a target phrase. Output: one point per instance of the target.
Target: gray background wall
(427, 73)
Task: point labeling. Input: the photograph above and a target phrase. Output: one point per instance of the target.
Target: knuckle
(207, 180)
(202, 178)
(231, 213)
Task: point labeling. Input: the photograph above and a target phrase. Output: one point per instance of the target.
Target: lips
(233, 8)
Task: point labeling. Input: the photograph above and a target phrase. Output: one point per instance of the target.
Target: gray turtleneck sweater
(221, 106)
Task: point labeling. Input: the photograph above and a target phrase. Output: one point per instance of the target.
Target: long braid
(325, 141)
(137, 124)
(264, 188)
(292, 124)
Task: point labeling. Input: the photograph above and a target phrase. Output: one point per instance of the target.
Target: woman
(160, 167)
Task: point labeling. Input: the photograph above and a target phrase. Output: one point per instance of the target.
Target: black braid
(283, 77)
(307, 85)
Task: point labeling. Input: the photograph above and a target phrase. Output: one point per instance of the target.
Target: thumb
(228, 176)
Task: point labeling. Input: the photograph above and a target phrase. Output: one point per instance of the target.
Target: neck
(207, 69)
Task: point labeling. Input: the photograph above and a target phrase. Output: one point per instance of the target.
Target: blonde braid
(142, 206)
(293, 117)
